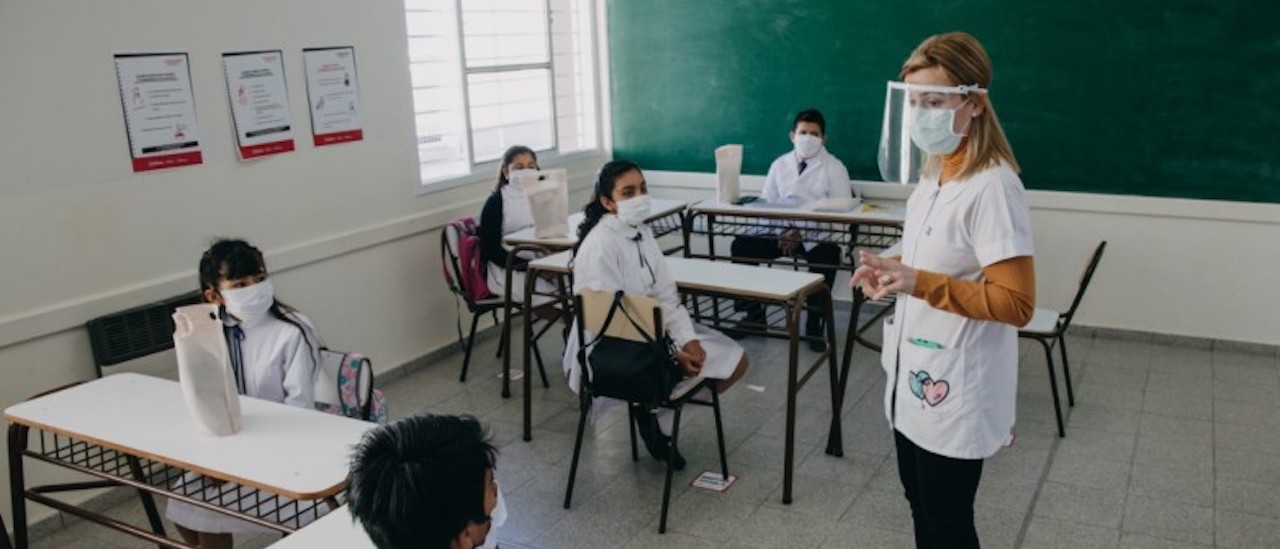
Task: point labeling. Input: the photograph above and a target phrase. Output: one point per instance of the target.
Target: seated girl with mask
(617, 251)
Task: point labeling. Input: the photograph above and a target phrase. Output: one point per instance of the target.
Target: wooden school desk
(337, 529)
(700, 278)
(134, 430)
(868, 225)
(666, 217)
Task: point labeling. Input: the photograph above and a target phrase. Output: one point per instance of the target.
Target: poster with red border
(259, 103)
(159, 110)
(333, 94)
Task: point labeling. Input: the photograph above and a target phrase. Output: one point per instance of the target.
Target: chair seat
(1043, 322)
(685, 386)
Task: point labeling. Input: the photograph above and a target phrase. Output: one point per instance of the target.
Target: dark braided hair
(605, 178)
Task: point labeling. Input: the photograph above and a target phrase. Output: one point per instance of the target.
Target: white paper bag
(728, 172)
(204, 369)
(548, 195)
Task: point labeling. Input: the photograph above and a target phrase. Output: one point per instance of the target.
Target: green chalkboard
(1160, 98)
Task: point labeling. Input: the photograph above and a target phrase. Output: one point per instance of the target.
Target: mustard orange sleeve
(1006, 293)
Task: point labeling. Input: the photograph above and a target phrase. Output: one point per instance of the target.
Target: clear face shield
(919, 121)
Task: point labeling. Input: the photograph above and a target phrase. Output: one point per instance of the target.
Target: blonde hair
(962, 58)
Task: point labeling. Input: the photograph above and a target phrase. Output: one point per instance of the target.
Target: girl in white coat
(617, 251)
(278, 352)
(507, 211)
(965, 281)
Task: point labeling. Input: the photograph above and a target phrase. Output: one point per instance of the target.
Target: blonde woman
(965, 281)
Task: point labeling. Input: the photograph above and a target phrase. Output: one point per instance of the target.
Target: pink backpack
(345, 387)
(468, 263)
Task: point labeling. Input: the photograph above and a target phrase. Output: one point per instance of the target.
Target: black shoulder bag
(632, 370)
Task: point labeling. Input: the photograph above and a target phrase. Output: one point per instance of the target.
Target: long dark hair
(605, 178)
(509, 157)
(233, 259)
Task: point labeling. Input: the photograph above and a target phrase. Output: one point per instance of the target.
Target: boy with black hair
(802, 175)
(425, 482)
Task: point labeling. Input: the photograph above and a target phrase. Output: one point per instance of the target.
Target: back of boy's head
(230, 259)
(419, 481)
(811, 115)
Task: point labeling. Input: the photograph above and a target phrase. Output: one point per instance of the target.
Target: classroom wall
(350, 239)
(1195, 268)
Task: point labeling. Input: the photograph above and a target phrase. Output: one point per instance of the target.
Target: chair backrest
(136, 332)
(1084, 283)
(593, 308)
(460, 258)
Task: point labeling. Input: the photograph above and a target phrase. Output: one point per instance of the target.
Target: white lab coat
(824, 177)
(611, 258)
(956, 378)
(515, 216)
(280, 366)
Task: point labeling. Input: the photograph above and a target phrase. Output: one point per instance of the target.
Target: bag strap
(608, 321)
(366, 408)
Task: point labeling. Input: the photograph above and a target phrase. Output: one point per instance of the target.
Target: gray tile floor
(1167, 447)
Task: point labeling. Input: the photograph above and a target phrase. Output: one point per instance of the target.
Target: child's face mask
(250, 303)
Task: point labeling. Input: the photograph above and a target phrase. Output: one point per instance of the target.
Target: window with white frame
(488, 74)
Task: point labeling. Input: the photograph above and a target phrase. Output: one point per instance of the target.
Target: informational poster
(334, 95)
(159, 110)
(259, 103)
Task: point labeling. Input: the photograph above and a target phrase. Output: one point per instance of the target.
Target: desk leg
(18, 484)
(793, 330)
(530, 278)
(851, 337)
(835, 441)
(506, 340)
(148, 502)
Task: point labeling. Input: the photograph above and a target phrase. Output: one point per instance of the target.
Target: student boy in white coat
(800, 176)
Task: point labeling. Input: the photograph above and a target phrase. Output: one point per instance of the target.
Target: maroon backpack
(468, 264)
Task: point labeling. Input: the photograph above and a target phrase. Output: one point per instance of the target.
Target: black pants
(941, 491)
(767, 248)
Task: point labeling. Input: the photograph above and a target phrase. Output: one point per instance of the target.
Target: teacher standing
(964, 282)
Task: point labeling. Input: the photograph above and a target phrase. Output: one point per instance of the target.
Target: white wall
(350, 240)
(1197, 268)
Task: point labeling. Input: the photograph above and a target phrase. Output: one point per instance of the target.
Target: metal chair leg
(18, 435)
(585, 405)
(148, 502)
(631, 426)
(1066, 369)
(724, 462)
(542, 370)
(1053, 384)
(471, 342)
(671, 468)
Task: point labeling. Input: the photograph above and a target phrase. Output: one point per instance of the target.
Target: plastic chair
(1049, 328)
(591, 309)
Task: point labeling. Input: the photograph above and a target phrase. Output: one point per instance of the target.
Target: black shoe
(677, 460)
(817, 337)
(652, 436)
(658, 444)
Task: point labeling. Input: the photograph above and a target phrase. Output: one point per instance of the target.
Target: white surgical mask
(251, 302)
(807, 146)
(931, 130)
(633, 211)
